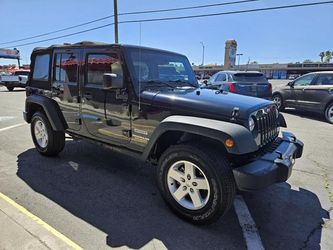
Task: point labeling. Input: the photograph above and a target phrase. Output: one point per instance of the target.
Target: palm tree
(322, 55)
(328, 55)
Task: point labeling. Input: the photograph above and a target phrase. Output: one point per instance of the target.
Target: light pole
(203, 53)
(115, 9)
(239, 55)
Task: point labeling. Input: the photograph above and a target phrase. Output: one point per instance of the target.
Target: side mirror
(205, 82)
(290, 84)
(112, 81)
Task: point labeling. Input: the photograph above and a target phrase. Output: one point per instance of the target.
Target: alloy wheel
(41, 134)
(188, 185)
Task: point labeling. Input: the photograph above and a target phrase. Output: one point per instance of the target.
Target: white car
(18, 79)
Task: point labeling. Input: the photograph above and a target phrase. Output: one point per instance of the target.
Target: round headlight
(251, 124)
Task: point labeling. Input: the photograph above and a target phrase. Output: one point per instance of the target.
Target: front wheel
(47, 141)
(329, 113)
(197, 184)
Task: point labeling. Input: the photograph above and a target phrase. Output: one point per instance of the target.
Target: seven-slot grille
(267, 125)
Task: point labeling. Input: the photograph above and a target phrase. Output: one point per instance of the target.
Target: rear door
(252, 84)
(65, 85)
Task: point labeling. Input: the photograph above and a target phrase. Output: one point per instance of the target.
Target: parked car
(311, 92)
(146, 103)
(251, 83)
(18, 79)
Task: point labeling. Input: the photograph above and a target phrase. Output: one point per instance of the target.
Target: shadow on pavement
(286, 218)
(305, 114)
(118, 195)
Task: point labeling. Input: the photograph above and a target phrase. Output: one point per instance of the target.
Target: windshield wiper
(183, 81)
(156, 83)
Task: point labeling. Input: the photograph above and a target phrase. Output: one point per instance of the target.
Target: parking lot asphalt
(100, 199)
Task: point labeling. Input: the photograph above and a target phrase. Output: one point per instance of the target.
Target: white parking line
(13, 126)
(249, 228)
(5, 118)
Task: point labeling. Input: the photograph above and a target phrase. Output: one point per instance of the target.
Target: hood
(207, 102)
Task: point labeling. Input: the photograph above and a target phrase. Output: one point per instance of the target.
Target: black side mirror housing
(290, 84)
(205, 82)
(112, 81)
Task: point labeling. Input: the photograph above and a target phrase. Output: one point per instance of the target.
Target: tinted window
(304, 80)
(212, 78)
(41, 68)
(221, 78)
(98, 64)
(65, 67)
(325, 79)
(249, 77)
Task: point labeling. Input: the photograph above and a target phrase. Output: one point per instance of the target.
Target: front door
(303, 87)
(65, 87)
(105, 113)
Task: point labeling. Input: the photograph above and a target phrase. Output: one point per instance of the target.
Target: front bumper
(272, 167)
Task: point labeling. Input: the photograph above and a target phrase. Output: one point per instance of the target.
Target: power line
(129, 13)
(230, 12)
(184, 17)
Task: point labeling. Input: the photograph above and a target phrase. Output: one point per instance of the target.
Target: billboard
(10, 53)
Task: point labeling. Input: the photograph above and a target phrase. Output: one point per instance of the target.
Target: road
(100, 199)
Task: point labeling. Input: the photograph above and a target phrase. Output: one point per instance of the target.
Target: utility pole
(203, 53)
(239, 55)
(115, 9)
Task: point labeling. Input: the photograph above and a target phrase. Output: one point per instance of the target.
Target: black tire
(328, 113)
(56, 139)
(10, 88)
(219, 175)
(278, 97)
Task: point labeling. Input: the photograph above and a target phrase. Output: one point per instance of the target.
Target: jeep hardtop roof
(85, 44)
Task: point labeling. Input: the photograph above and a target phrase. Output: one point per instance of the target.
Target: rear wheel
(277, 98)
(10, 88)
(197, 184)
(329, 113)
(47, 141)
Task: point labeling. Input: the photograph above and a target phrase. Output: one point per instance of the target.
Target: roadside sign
(10, 53)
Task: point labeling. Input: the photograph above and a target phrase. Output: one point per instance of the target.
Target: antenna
(140, 69)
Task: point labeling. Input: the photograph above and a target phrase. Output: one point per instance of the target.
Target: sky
(279, 36)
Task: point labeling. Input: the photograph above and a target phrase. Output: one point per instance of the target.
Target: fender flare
(51, 109)
(214, 129)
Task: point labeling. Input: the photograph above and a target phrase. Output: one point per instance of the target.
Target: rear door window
(249, 77)
(65, 67)
(325, 79)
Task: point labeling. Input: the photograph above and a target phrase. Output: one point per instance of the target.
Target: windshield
(153, 68)
(249, 77)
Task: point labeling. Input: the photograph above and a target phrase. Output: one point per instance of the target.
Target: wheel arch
(185, 128)
(49, 107)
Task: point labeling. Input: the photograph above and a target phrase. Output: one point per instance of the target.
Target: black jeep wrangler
(205, 144)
